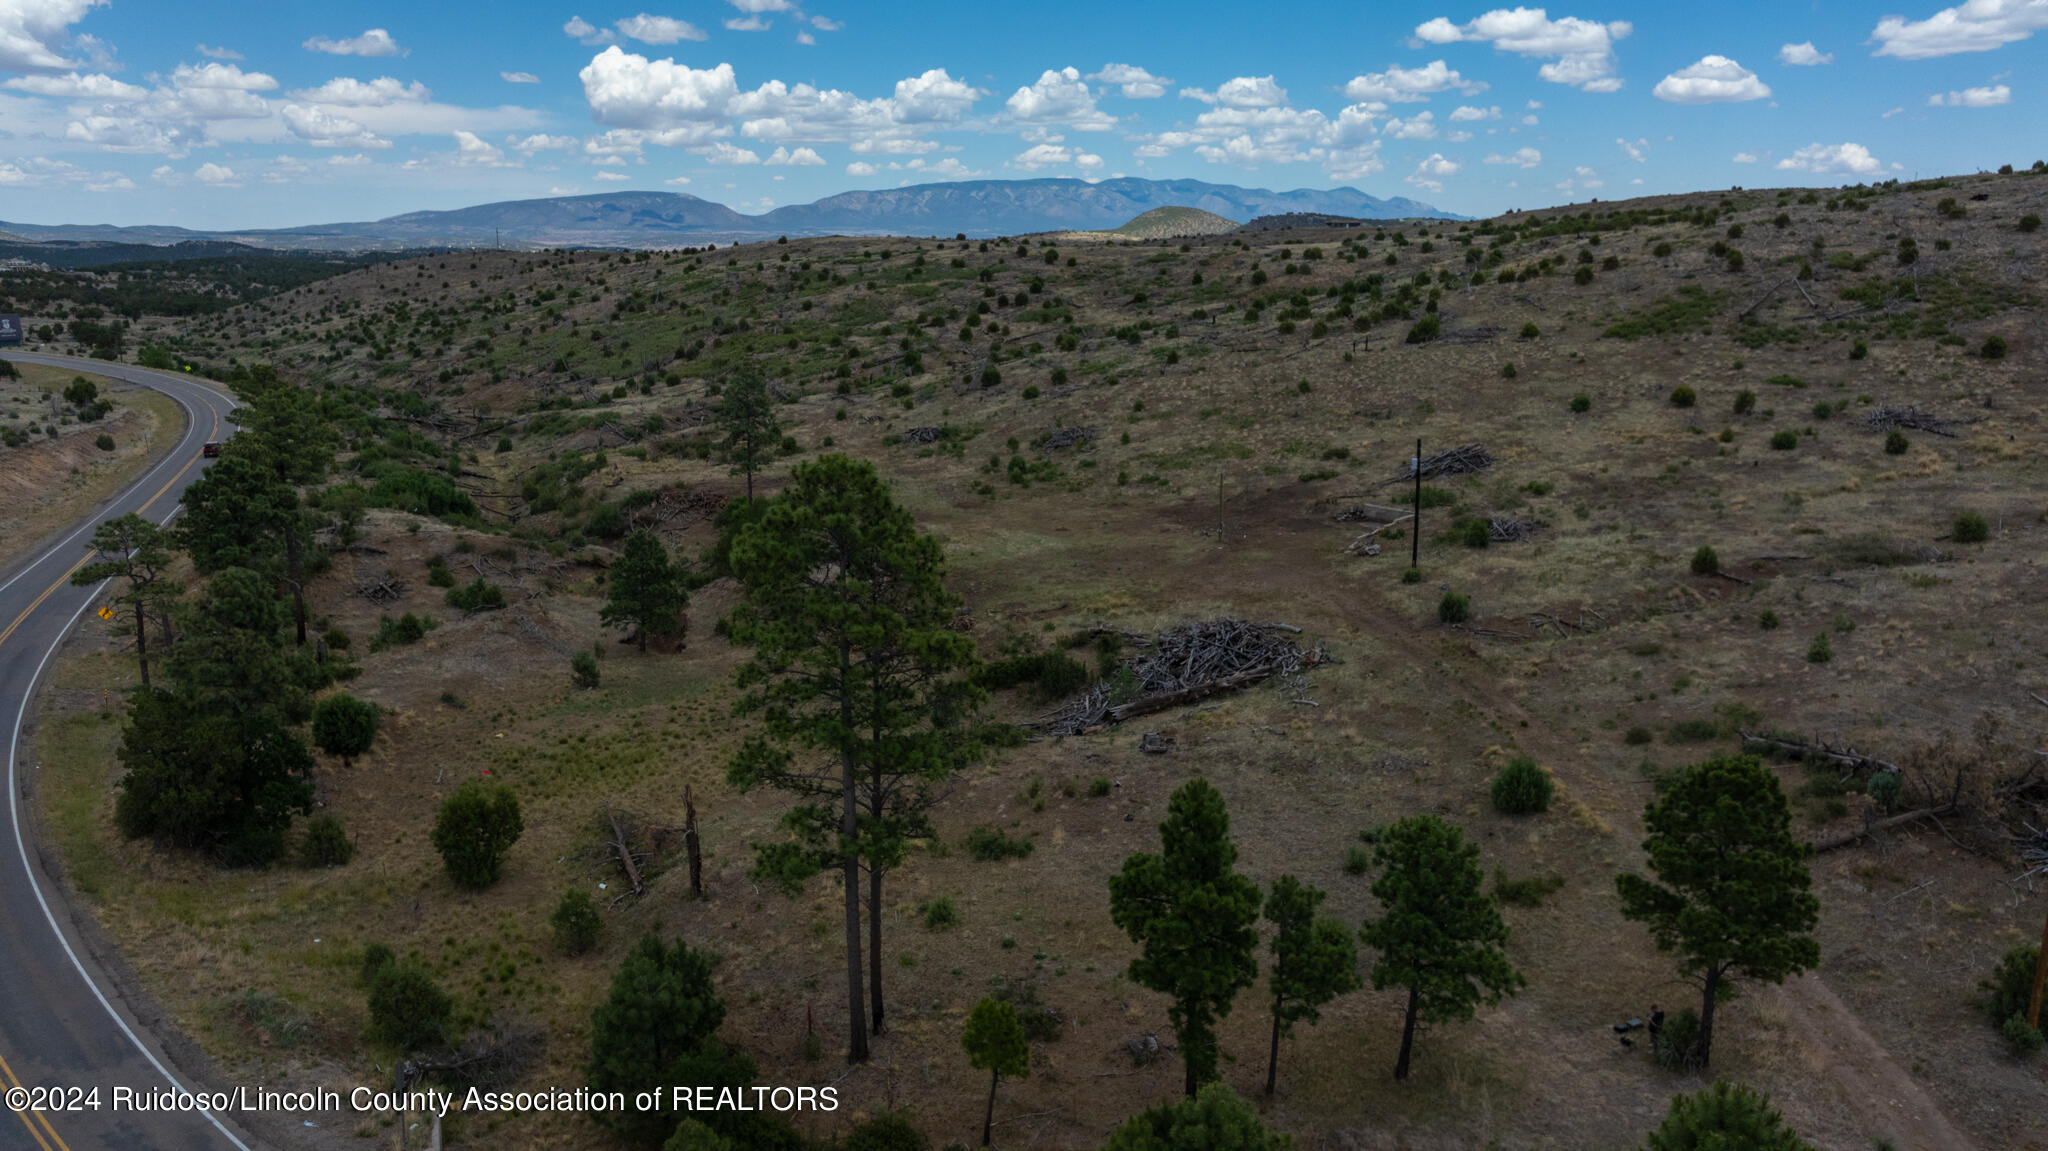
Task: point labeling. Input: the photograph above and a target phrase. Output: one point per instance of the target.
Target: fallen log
(624, 850)
(1200, 691)
(1845, 756)
(1845, 838)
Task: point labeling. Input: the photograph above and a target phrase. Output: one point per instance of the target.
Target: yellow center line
(23, 1116)
(66, 577)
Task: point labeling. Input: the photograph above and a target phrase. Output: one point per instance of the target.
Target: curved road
(63, 1024)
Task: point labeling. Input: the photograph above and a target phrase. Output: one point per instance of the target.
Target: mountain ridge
(671, 219)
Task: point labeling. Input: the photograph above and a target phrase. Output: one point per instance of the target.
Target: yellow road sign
(106, 612)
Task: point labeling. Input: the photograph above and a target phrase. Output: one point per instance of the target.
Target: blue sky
(243, 115)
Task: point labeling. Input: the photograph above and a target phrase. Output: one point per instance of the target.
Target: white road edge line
(28, 868)
(161, 465)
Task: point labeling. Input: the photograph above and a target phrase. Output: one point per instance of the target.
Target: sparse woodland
(704, 649)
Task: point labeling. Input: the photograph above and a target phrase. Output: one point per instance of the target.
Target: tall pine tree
(1732, 890)
(1194, 919)
(746, 414)
(645, 589)
(1439, 935)
(1315, 959)
(847, 613)
(131, 548)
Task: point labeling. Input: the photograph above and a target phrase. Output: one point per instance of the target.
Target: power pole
(1415, 544)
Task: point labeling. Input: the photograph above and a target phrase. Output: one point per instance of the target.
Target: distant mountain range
(674, 219)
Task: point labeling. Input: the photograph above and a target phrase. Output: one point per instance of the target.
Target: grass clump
(1971, 528)
(1453, 608)
(991, 845)
(1528, 892)
(576, 923)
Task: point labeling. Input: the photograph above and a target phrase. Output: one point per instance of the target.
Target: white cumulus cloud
(1465, 113)
(1135, 82)
(1404, 85)
(860, 168)
(35, 35)
(1060, 97)
(353, 93)
(519, 77)
(1581, 52)
(1990, 97)
(801, 158)
(324, 129)
(213, 53)
(1745, 157)
(1637, 150)
(216, 175)
(1849, 159)
(1520, 157)
(1714, 80)
(1973, 26)
(1431, 173)
(375, 42)
(658, 29)
(1804, 55)
(724, 152)
(1421, 126)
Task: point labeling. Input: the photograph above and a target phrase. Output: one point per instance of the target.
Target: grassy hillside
(1173, 223)
(1648, 377)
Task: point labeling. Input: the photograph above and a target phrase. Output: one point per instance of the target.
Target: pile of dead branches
(1460, 461)
(1067, 438)
(924, 435)
(1185, 664)
(1508, 529)
(1370, 514)
(388, 590)
(2033, 851)
(1895, 417)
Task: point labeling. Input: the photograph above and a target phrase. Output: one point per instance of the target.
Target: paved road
(63, 1024)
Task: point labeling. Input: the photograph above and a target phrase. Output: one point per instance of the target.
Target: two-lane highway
(63, 1025)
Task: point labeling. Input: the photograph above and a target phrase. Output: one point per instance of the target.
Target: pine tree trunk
(1273, 1058)
(875, 945)
(1704, 1045)
(988, 1121)
(1193, 1038)
(142, 640)
(1407, 1035)
(849, 827)
(295, 563)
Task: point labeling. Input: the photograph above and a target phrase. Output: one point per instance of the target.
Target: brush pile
(1461, 461)
(1893, 417)
(1067, 438)
(1183, 664)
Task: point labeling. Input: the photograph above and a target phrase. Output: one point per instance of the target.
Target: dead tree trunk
(624, 849)
(690, 843)
(1845, 838)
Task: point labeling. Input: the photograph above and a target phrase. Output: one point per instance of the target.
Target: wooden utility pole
(690, 844)
(1415, 545)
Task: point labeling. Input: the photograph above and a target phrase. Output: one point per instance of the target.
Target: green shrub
(2011, 985)
(989, 844)
(1895, 443)
(1683, 396)
(1528, 892)
(1784, 441)
(103, 442)
(345, 726)
(583, 670)
(1507, 370)
(1725, 1115)
(1692, 731)
(438, 574)
(475, 597)
(325, 843)
(408, 1010)
(1705, 562)
(1637, 736)
(1768, 620)
(1411, 575)
(406, 629)
(1745, 402)
(887, 1131)
(477, 825)
(1475, 533)
(2020, 1039)
(1972, 528)
(1426, 329)
(1055, 675)
(1582, 402)
(576, 922)
(1821, 650)
(1357, 859)
(1676, 1047)
(1993, 349)
(1530, 331)
(938, 913)
(1859, 351)
(376, 957)
(1453, 608)
(1522, 788)
(1883, 789)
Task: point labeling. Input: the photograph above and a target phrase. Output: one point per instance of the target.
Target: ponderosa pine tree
(294, 441)
(1315, 959)
(1726, 1115)
(132, 549)
(1732, 894)
(658, 1028)
(746, 414)
(847, 613)
(645, 589)
(1440, 937)
(1194, 919)
(995, 1043)
(1215, 1119)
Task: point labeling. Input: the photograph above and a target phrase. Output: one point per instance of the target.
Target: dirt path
(1864, 1072)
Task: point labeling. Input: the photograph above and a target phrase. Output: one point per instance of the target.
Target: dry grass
(1413, 719)
(50, 483)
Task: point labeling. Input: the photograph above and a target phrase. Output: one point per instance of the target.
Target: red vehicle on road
(211, 450)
